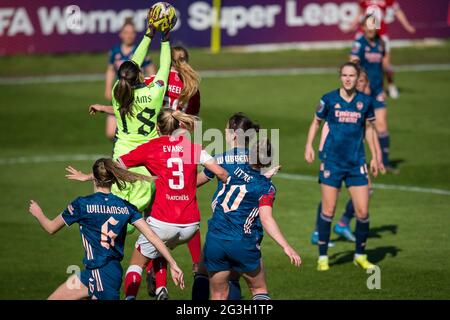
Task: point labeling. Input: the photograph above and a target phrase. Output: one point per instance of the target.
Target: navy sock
(319, 211)
(324, 233)
(349, 213)
(234, 292)
(384, 145)
(200, 287)
(361, 233)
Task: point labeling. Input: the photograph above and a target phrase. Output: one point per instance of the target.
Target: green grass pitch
(410, 230)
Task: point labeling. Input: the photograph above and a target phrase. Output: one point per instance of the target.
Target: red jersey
(173, 160)
(171, 99)
(378, 8)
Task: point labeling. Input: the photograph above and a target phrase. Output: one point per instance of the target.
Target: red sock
(149, 266)
(195, 247)
(133, 281)
(160, 267)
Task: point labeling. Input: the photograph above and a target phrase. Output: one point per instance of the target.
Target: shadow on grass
(375, 255)
(396, 162)
(375, 232)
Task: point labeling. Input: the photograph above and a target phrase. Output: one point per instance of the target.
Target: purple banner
(51, 26)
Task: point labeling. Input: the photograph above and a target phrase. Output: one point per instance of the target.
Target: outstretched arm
(74, 174)
(51, 226)
(94, 108)
(202, 179)
(220, 172)
(272, 229)
(141, 51)
(177, 274)
(400, 15)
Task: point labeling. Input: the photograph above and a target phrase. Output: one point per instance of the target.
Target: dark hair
(170, 120)
(243, 127)
(261, 154)
(128, 75)
(351, 64)
(128, 22)
(107, 172)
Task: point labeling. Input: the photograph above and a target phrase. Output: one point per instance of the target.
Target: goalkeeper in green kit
(136, 107)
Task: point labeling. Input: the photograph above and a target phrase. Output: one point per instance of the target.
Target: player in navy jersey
(241, 209)
(369, 51)
(102, 218)
(342, 228)
(118, 54)
(348, 116)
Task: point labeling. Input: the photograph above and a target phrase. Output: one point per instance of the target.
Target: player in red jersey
(183, 85)
(379, 9)
(182, 94)
(175, 216)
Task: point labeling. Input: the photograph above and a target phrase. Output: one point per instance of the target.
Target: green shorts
(139, 193)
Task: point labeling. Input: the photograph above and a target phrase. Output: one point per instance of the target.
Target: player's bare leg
(218, 284)
(72, 289)
(256, 281)
(381, 125)
(329, 199)
(389, 72)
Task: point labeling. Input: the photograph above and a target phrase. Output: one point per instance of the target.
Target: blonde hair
(190, 78)
(107, 172)
(170, 120)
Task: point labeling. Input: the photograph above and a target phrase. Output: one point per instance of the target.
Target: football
(162, 16)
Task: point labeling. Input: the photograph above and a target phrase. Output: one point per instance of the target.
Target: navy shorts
(238, 255)
(380, 96)
(332, 175)
(103, 283)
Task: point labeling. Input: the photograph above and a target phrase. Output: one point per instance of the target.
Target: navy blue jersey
(117, 57)
(236, 204)
(342, 141)
(103, 219)
(370, 57)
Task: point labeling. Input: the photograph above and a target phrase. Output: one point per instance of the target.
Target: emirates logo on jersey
(359, 105)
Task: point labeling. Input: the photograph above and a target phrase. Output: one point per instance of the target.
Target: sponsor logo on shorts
(326, 173)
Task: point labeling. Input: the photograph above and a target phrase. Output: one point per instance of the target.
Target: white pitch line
(215, 74)
(287, 176)
(299, 177)
(46, 159)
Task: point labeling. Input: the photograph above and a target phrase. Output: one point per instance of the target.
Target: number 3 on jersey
(177, 172)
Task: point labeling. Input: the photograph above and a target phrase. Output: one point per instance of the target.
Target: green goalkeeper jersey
(140, 127)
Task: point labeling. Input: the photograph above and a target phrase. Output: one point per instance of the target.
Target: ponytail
(189, 77)
(261, 154)
(128, 75)
(107, 172)
(170, 120)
